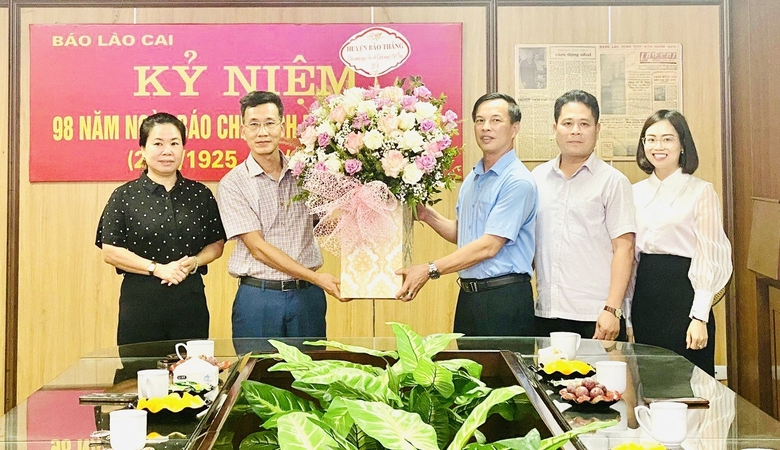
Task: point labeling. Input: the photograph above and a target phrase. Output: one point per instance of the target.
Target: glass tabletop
(52, 417)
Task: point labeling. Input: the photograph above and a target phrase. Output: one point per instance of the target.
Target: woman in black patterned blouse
(160, 231)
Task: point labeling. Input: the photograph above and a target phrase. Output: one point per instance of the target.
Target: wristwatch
(616, 311)
(433, 271)
(151, 268)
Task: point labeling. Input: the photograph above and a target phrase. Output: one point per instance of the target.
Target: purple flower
(422, 92)
(314, 106)
(361, 120)
(450, 116)
(352, 166)
(444, 142)
(426, 163)
(427, 125)
(320, 166)
(408, 101)
(323, 140)
(308, 121)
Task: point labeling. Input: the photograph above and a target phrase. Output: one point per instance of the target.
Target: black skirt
(662, 303)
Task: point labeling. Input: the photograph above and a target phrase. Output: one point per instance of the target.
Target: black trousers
(505, 311)
(545, 326)
(662, 303)
(150, 311)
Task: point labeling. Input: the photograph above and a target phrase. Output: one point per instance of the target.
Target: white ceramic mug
(153, 383)
(566, 342)
(128, 429)
(668, 421)
(196, 348)
(612, 374)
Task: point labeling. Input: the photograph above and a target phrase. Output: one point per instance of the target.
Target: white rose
(373, 139)
(406, 120)
(368, 107)
(425, 110)
(412, 174)
(326, 128)
(333, 165)
(412, 139)
(352, 97)
(392, 93)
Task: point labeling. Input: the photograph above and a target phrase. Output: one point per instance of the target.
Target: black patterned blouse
(144, 218)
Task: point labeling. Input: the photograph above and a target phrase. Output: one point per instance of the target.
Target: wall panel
(3, 174)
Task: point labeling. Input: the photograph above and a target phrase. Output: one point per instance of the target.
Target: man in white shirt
(584, 229)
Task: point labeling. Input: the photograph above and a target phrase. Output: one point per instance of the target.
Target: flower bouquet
(367, 157)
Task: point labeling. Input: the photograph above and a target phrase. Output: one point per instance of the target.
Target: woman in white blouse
(684, 257)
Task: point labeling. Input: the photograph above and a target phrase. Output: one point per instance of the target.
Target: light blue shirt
(501, 202)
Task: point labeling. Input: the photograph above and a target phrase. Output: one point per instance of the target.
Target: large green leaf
(338, 419)
(429, 373)
(355, 349)
(557, 442)
(472, 367)
(288, 352)
(434, 343)
(480, 414)
(432, 412)
(393, 428)
(298, 432)
(316, 391)
(267, 401)
(346, 380)
(410, 346)
(262, 440)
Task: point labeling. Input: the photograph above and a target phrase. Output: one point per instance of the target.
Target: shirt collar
(591, 164)
(673, 181)
(151, 185)
(502, 163)
(255, 169)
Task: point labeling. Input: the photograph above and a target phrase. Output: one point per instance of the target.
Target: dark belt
(275, 285)
(472, 285)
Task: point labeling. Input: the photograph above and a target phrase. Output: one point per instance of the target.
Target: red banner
(92, 85)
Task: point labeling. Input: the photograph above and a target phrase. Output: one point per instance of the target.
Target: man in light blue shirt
(494, 230)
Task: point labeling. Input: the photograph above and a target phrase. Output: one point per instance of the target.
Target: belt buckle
(472, 286)
(285, 284)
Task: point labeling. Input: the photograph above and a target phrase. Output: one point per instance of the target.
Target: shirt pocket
(585, 219)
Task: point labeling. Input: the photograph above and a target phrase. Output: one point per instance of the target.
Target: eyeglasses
(270, 125)
(664, 142)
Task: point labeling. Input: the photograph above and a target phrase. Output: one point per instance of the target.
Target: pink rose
(444, 142)
(338, 115)
(354, 142)
(426, 163)
(450, 116)
(320, 166)
(393, 163)
(388, 124)
(432, 148)
(361, 120)
(323, 140)
(408, 101)
(308, 137)
(297, 168)
(352, 166)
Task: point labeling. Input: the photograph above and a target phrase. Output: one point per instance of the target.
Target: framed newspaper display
(631, 82)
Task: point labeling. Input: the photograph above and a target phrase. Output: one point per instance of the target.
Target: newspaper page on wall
(631, 82)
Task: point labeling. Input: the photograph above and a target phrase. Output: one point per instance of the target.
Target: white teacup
(669, 421)
(153, 383)
(196, 348)
(128, 429)
(566, 342)
(612, 374)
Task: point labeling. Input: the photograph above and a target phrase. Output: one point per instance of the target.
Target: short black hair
(159, 119)
(689, 158)
(514, 109)
(256, 98)
(577, 96)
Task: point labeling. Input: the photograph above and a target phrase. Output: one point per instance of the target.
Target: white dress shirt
(576, 221)
(681, 216)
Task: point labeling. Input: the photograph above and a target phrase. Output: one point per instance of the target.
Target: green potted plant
(415, 402)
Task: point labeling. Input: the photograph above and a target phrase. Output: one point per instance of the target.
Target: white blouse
(681, 216)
